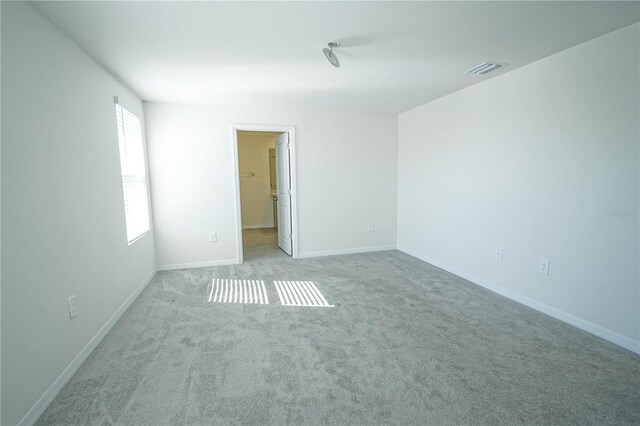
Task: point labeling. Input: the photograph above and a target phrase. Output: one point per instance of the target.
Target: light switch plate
(543, 266)
(73, 307)
(498, 253)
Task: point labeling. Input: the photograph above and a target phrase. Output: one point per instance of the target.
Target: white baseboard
(48, 396)
(582, 324)
(345, 251)
(203, 264)
(269, 226)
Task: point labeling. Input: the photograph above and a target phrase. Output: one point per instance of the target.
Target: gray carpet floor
(406, 343)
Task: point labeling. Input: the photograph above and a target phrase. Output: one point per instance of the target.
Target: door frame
(291, 130)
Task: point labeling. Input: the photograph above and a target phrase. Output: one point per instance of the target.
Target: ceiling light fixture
(331, 57)
(484, 68)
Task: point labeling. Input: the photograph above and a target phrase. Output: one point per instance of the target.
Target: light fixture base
(331, 57)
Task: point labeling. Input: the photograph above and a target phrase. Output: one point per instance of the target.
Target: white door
(283, 189)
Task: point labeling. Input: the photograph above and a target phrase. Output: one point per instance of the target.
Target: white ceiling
(394, 55)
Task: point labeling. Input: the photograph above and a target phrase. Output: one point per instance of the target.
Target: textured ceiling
(394, 55)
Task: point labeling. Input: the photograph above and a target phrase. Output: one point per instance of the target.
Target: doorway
(265, 192)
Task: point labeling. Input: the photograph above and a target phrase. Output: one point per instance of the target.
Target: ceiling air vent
(484, 68)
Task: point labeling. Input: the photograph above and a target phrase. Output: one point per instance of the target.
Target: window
(134, 176)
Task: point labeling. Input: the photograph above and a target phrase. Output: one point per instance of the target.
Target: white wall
(530, 161)
(63, 228)
(191, 162)
(255, 191)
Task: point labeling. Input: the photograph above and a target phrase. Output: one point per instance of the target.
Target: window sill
(139, 237)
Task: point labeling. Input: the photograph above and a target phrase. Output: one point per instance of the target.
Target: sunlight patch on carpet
(300, 293)
(238, 291)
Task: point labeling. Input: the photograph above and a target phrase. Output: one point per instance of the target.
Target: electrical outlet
(73, 307)
(370, 227)
(499, 253)
(543, 266)
(213, 237)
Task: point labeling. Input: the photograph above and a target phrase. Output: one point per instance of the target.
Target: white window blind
(134, 177)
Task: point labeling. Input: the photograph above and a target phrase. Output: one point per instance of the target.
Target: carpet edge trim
(203, 264)
(355, 250)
